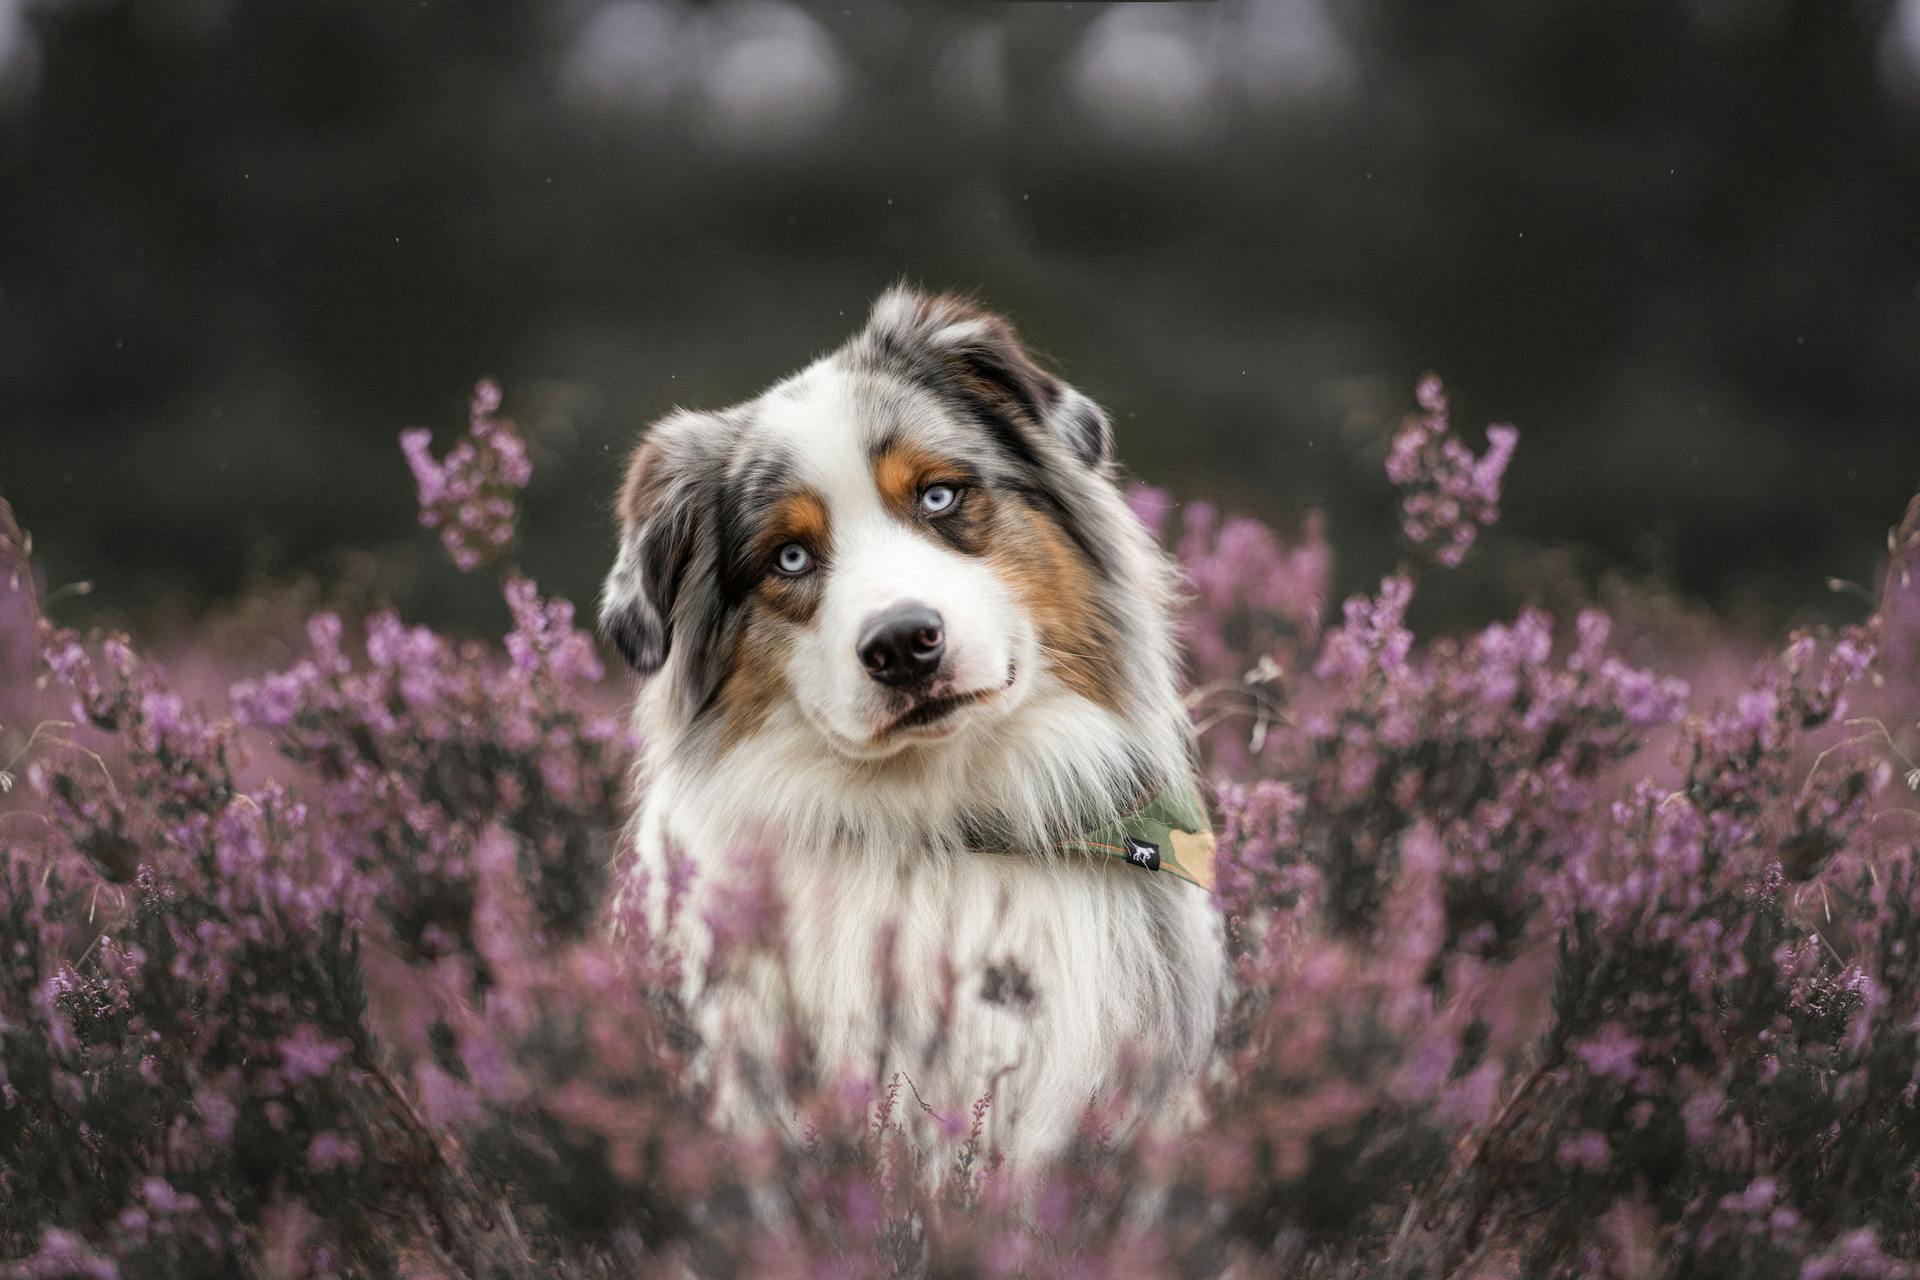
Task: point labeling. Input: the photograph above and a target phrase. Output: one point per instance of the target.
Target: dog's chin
(930, 722)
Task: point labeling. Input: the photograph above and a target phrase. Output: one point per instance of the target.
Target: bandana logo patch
(1142, 853)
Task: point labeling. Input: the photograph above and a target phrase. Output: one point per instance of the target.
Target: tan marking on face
(902, 471)
(756, 673)
(1055, 583)
(777, 607)
(799, 517)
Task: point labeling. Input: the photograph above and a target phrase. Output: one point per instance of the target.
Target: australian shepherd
(901, 634)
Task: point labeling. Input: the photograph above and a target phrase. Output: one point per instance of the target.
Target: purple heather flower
(305, 1054)
(470, 495)
(1586, 1150)
(1475, 929)
(1447, 494)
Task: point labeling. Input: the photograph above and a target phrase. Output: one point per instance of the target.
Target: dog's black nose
(903, 645)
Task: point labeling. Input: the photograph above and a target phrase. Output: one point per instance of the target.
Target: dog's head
(908, 538)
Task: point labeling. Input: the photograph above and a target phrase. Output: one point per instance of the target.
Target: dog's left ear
(965, 350)
(657, 598)
(636, 603)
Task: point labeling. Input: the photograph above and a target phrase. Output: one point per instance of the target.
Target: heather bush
(1543, 965)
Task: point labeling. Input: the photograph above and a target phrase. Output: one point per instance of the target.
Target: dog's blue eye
(793, 559)
(939, 499)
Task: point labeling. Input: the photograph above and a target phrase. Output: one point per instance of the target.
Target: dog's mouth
(930, 712)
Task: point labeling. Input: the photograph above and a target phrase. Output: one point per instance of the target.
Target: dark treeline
(242, 245)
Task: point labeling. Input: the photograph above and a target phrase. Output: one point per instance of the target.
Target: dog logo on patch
(1142, 853)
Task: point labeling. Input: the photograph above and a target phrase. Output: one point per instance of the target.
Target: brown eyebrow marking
(798, 517)
(899, 469)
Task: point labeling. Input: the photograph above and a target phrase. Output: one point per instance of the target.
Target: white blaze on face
(879, 562)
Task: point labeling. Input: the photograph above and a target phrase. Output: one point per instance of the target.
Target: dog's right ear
(977, 355)
(659, 515)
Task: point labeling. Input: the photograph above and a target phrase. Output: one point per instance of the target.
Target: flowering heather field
(1548, 964)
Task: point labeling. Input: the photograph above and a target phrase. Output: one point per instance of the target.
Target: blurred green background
(1676, 241)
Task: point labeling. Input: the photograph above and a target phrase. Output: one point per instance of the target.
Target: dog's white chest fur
(1049, 984)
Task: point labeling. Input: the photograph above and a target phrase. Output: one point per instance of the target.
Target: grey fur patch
(664, 597)
(1056, 443)
(975, 357)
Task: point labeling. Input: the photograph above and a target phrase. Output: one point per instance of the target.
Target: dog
(901, 634)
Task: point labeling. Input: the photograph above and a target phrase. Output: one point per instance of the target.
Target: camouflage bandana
(1166, 831)
(1170, 833)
